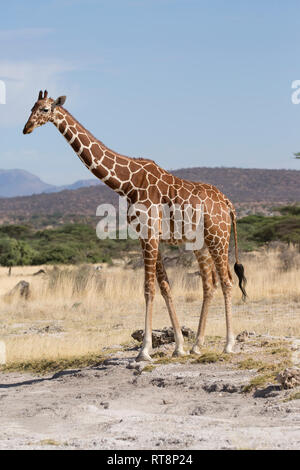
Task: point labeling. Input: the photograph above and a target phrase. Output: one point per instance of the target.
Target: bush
(80, 278)
(289, 210)
(15, 231)
(255, 231)
(289, 258)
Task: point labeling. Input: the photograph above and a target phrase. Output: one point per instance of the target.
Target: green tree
(15, 252)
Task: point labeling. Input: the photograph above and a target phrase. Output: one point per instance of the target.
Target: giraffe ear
(59, 102)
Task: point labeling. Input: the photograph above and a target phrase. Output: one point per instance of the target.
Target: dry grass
(75, 311)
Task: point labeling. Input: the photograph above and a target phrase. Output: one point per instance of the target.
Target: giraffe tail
(238, 268)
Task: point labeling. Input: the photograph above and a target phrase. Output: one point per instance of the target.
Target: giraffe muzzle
(28, 128)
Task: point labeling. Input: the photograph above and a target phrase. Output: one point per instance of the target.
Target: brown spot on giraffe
(133, 166)
(76, 145)
(84, 139)
(68, 134)
(108, 162)
(88, 158)
(96, 151)
(122, 170)
(62, 126)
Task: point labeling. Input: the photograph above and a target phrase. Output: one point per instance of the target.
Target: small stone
(241, 337)
(167, 402)
(105, 404)
(289, 378)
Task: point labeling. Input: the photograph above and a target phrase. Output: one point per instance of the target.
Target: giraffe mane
(142, 159)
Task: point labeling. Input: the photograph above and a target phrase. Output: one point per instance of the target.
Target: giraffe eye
(45, 110)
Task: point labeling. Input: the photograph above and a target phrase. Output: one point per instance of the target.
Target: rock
(105, 404)
(199, 410)
(289, 378)
(268, 392)
(138, 335)
(231, 388)
(21, 289)
(115, 361)
(167, 402)
(222, 387)
(159, 382)
(164, 336)
(135, 366)
(41, 271)
(241, 337)
(188, 333)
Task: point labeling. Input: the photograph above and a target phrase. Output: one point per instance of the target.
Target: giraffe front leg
(150, 257)
(144, 354)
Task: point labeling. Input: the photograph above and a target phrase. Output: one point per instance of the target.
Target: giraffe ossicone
(142, 181)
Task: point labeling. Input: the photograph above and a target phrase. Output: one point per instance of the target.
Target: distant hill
(247, 188)
(15, 183)
(78, 184)
(21, 183)
(248, 184)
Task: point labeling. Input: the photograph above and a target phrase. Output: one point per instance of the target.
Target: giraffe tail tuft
(239, 271)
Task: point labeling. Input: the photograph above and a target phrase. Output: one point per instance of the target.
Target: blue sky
(184, 82)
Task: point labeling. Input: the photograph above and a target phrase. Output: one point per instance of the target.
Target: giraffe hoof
(228, 349)
(195, 350)
(143, 356)
(178, 353)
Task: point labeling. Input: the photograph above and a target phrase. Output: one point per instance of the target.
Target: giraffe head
(42, 111)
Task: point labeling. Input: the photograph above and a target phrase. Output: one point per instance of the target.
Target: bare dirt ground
(116, 405)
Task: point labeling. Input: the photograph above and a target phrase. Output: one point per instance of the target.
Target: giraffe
(142, 181)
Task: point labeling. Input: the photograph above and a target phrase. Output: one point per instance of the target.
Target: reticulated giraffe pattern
(142, 181)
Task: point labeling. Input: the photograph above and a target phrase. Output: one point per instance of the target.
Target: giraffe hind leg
(221, 263)
(209, 284)
(165, 290)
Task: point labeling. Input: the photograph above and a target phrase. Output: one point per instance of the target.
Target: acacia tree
(15, 252)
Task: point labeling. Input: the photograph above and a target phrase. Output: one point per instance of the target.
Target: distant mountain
(78, 184)
(14, 183)
(21, 183)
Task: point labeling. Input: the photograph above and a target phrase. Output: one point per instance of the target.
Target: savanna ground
(70, 379)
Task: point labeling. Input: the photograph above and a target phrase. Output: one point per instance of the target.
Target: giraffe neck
(104, 163)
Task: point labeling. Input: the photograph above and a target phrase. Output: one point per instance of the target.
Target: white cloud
(23, 80)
